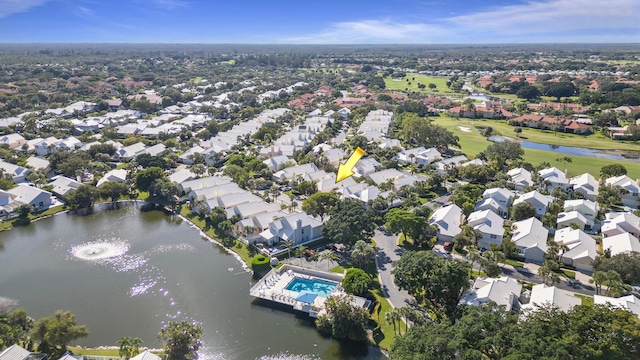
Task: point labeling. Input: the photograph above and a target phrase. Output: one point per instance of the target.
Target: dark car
(448, 246)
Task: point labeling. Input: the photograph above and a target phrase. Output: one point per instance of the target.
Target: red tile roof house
(324, 90)
(350, 102)
(360, 89)
(575, 108)
(526, 120)
(461, 112)
(574, 127)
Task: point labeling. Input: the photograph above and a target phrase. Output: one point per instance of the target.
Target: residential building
(630, 302)
(585, 184)
(503, 291)
(618, 244)
(553, 178)
(418, 156)
(38, 199)
(119, 175)
(537, 200)
(582, 248)
(629, 199)
(448, 220)
(520, 178)
(543, 295)
(489, 225)
(18, 173)
(620, 222)
(299, 228)
(530, 237)
(62, 185)
(502, 197)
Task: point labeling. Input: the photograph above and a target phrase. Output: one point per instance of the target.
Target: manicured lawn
(414, 79)
(586, 300)
(472, 143)
(237, 246)
(338, 270)
(593, 141)
(568, 273)
(385, 339)
(196, 79)
(93, 351)
(514, 263)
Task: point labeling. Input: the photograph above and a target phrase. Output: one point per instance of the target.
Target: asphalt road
(388, 251)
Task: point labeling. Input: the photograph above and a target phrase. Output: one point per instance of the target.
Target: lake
(126, 272)
(572, 150)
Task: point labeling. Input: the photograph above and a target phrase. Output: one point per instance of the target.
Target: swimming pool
(315, 286)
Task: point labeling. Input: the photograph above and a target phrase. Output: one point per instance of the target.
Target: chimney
(299, 224)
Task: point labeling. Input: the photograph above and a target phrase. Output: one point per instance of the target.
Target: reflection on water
(126, 272)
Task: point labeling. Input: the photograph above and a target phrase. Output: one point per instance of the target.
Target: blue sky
(321, 22)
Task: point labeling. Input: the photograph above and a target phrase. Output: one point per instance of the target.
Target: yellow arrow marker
(346, 169)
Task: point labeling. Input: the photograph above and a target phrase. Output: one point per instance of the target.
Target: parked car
(448, 246)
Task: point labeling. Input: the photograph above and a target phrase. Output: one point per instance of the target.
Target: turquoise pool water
(315, 286)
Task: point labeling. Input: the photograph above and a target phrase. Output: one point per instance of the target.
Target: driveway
(387, 251)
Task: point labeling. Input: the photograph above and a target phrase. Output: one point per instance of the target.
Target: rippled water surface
(126, 272)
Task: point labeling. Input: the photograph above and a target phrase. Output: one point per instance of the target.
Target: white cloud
(371, 31)
(534, 21)
(83, 12)
(554, 16)
(9, 7)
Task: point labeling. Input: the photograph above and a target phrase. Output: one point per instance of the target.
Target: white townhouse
(543, 295)
(629, 199)
(448, 220)
(520, 178)
(553, 178)
(502, 291)
(299, 228)
(530, 237)
(539, 201)
(621, 243)
(620, 222)
(585, 184)
(37, 198)
(489, 225)
(582, 248)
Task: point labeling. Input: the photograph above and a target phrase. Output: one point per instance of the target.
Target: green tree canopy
(343, 319)
(522, 211)
(55, 332)
(612, 170)
(82, 197)
(356, 282)
(146, 177)
(349, 222)
(14, 327)
(502, 152)
(113, 190)
(490, 332)
(434, 282)
(181, 340)
(320, 204)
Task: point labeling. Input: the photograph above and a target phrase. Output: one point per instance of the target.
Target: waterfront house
(299, 228)
(61, 185)
(119, 175)
(38, 199)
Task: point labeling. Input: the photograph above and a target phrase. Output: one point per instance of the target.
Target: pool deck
(272, 287)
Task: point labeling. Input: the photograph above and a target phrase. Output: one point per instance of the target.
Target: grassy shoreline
(472, 142)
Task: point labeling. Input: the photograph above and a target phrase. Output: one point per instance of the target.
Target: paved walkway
(387, 251)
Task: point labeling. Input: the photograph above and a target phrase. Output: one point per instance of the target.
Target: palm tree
(328, 255)
(315, 257)
(129, 347)
(548, 272)
(300, 252)
(392, 316)
(473, 255)
(288, 244)
(598, 279)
